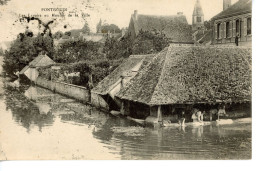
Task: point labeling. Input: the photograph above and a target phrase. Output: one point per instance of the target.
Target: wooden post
(159, 113)
(122, 109)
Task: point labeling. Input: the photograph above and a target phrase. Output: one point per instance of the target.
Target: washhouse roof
(104, 86)
(193, 74)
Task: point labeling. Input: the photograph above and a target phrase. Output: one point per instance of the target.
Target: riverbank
(98, 135)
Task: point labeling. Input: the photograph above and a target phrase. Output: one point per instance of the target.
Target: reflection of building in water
(26, 112)
(36, 94)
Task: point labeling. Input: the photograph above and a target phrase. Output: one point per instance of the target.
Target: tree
(74, 51)
(44, 44)
(85, 28)
(145, 43)
(207, 24)
(149, 42)
(3, 2)
(24, 49)
(112, 28)
(57, 35)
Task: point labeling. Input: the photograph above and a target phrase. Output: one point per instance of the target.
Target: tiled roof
(104, 85)
(174, 27)
(193, 74)
(240, 7)
(37, 61)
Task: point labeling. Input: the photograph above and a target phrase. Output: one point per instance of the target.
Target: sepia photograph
(125, 80)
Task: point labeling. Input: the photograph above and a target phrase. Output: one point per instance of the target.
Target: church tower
(197, 17)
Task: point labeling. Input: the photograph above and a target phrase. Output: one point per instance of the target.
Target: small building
(185, 77)
(234, 20)
(31, 70)
(102, 96)
(175, 27)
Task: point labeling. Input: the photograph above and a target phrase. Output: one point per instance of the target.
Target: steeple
(99, 26)
(197, 16)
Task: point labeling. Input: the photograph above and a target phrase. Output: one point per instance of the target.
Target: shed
(31, 70)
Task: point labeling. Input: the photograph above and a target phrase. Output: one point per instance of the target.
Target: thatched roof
(240, 7)
(193, 74)
(104, 86)
(175, 27)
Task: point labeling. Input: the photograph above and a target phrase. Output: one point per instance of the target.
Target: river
(36, 123)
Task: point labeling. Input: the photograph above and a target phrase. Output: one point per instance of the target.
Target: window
(218, 30)
(248, 26)
(227, 29)
(198, 19)
(238, 27)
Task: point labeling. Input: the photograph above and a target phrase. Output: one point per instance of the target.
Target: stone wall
(70, 90)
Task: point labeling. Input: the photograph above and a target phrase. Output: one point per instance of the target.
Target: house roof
(240, 7)
(36, 61)
(23, 70)
(197, 9)
(174, 27)
(104, 86)
(193, 74)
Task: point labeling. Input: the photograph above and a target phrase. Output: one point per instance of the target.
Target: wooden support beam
(159, 113)
(122, 108)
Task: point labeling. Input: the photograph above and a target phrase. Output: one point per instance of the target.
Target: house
(187, 77)
(102, 96)
(31, 70)
(175, 27)
(234, 20)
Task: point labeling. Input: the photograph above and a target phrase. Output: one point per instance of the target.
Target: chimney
(135, 14)
(179, 13)
(226, 4)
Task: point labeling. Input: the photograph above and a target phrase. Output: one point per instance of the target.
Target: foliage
(1, 52)
(24, 49)
(74, 51)
(3, 2)
(85, 28)
(110, 28)
(58, 35)
(96, 69)
(207, 24)
(145, 43)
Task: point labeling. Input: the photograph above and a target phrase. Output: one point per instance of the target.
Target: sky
(110, 11)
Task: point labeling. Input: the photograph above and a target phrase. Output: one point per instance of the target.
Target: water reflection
(76, 131)
(26, 112)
